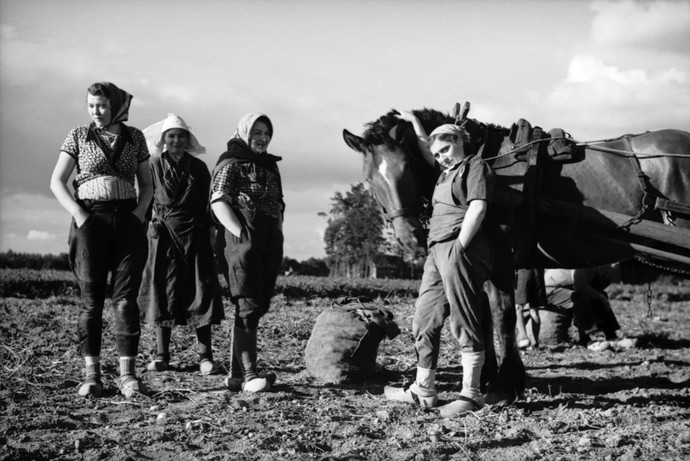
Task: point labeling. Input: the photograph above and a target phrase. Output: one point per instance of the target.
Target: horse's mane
(378, 131)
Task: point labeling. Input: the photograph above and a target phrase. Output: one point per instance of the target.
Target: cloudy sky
(597, 69)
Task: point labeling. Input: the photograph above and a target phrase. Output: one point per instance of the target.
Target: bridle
(390, 216)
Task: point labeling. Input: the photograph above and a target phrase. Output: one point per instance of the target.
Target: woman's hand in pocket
(139, 214)
(81, 217)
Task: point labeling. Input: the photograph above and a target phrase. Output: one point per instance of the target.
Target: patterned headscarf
(244, 127)
(119, 102)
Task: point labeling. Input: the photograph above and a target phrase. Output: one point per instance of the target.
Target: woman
(180, 283)
(458, 264)
(107, 232)
(247, 199)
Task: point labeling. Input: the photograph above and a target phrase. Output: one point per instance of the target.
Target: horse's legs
(510, 380)
(490, 367)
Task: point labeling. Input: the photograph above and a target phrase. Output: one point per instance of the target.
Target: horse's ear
(355, 142)
(394, 132)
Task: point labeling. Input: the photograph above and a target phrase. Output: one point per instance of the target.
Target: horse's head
(399, 178)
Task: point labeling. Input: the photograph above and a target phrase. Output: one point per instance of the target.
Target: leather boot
(234, 379)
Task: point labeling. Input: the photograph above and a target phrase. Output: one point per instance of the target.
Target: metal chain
(670, 217)
(661, 266)
(637, 219)
(649, 300)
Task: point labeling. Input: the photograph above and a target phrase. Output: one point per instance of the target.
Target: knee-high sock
(471, 371)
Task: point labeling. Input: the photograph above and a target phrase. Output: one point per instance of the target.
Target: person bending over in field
(582, 290)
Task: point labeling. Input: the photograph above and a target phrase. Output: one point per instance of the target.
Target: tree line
(14, 260)
(357, 245)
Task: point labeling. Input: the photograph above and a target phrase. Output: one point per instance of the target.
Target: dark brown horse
(558, 203)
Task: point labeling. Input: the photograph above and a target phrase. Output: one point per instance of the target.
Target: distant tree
(315, 267)
(353, 235)
(290, 266)
(312, 266)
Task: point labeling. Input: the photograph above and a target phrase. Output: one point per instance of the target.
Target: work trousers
(254, 259)
(112, 240)
(452, 286)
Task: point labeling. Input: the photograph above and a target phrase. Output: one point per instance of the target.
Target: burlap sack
(555, 325)
(344, 341)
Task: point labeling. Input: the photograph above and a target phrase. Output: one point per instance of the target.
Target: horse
(557, 203)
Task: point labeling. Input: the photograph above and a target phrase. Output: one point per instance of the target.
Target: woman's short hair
(453, 133)
(98, 89)
(450, 133)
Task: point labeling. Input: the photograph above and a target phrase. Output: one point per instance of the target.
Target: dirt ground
(631, 404)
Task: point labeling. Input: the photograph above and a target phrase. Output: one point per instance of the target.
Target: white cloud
(598, 99)
(589, 69)
(40, 235)
(660, 25)
(32, 223)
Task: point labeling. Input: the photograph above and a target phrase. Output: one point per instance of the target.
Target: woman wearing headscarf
(458, 264)
(180, 283)
(107, 233)
(247, 199)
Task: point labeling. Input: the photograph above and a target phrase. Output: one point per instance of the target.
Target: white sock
(472, 363)
(426, 377)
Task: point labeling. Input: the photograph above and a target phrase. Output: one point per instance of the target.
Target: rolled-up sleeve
(71, 144)
(223, 187)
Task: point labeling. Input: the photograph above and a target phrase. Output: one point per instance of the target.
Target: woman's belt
(106, 188)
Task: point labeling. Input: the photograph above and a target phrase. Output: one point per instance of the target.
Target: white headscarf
(154, 136)
(244, 127)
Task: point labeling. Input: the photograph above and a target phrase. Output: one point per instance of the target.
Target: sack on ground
(345, 339)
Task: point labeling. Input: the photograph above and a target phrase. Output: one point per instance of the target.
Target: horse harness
(524, 144)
